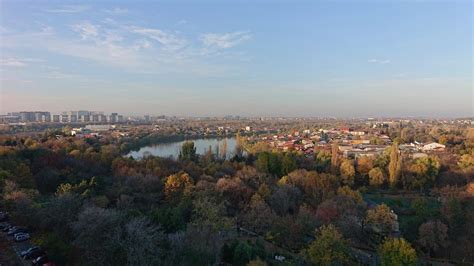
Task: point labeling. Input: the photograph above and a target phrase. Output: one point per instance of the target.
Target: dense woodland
(89, 205)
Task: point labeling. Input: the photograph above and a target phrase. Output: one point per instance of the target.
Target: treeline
(90, 205)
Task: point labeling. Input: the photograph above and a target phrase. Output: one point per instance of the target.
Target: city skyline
(159, 115)
(320, 59)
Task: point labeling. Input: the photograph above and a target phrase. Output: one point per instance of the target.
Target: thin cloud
(68, 9)
(138, 49)
(55, 74)
(116, 11)
(13, 62)
(86, 30)
(17, 62)
(226, 40)
(379, 61)
(169, 41)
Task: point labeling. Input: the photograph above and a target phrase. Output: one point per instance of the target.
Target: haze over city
(354, 58)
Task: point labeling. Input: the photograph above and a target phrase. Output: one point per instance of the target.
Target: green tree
(454, 214)
(262, 162)
(242, 253)
(275, 163)
(188, 151)
(397, 251)
(288, 164)
(323, 161)
(328, 248)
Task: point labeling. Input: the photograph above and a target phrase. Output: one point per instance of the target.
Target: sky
(248, 58)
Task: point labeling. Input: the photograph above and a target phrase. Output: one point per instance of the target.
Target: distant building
(56, 118)
(72, 118)
(64, 118)
(433, 147)
(99, 127)
(36, 116)
(113, 118)
(10, 118)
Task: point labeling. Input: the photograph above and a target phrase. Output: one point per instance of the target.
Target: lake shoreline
(170, 149)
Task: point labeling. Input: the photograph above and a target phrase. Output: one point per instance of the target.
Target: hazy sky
(196, 58)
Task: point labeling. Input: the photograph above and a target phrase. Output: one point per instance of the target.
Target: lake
(171, 149)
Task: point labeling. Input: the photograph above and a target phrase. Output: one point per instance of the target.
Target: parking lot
(14, 245)
(18, 247)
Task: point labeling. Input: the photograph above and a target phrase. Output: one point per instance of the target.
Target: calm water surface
(172, 149)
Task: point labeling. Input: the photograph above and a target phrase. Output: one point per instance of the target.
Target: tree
(209, 156)
(425, 171)
(208, 213)
(239, 145)
(208, 230)
(97, 234)
(346, 211)
(364, 165)
(353, 194)
(455, 216)
(257, 262)
(406, 135)
(334, 157)
(397, 251)
(235, 191)
(381, 220)
(285, 199)
(328, 248)
(223, 149)
(262, 162)
(61, 212)
(259, 216)
(177, 185)
(288, 163)
(242, 253)
(275, 164)
(394, 167)
(466, 161)
(433, 236)
(323, 161)
(376, 177)
(347, 172)
(142, 242)
(188, 151)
